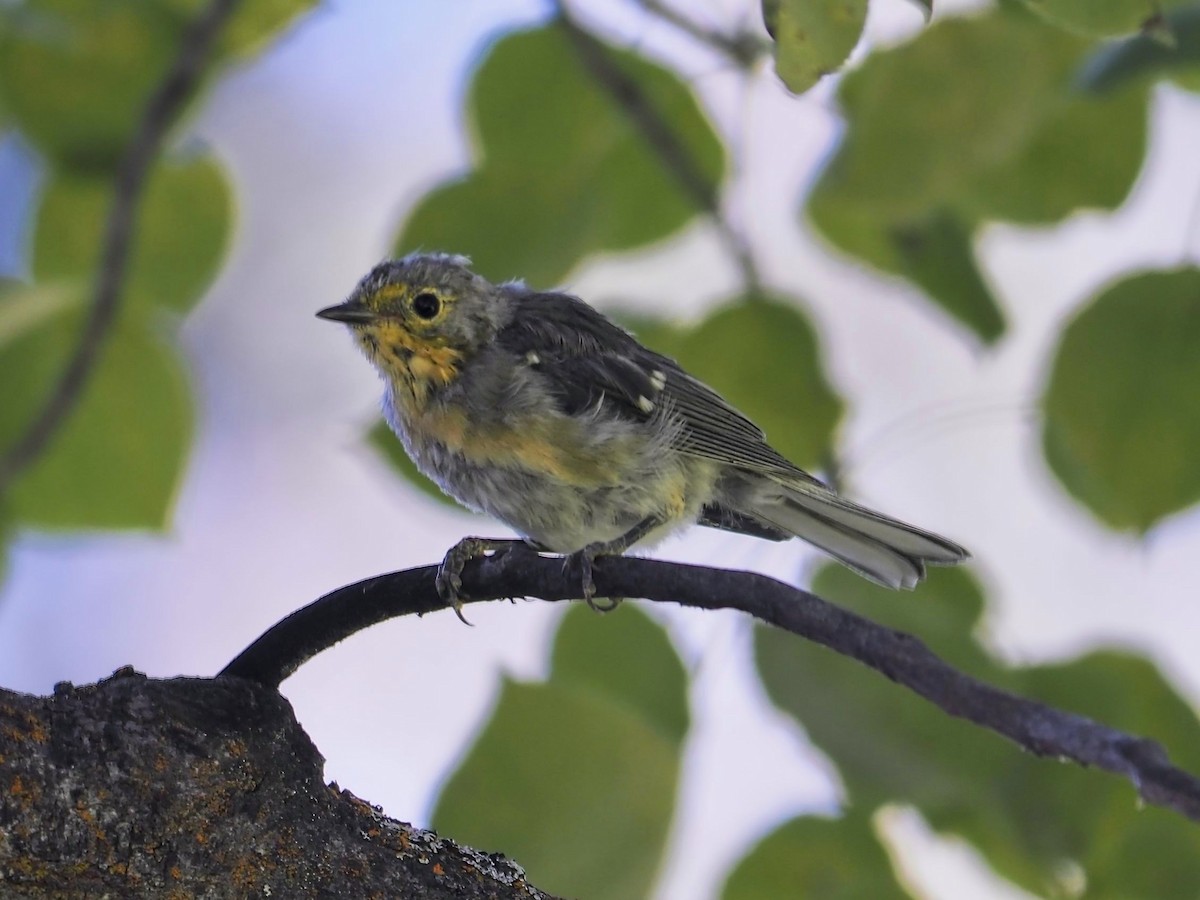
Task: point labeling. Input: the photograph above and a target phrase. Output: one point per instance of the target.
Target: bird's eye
(426, 305)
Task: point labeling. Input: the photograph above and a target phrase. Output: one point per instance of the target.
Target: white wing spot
(658, 379)
(532, 358)
(645, 404)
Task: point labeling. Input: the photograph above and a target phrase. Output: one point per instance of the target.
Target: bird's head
(419, 318)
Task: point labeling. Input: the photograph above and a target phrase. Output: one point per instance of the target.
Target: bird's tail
(884, 550)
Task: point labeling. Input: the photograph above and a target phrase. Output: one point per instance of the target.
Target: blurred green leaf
(389, 446)
(576, 778)
(76, 76)
(182, 231)
(1122, 410)
(812, 37)
(628, 657)
(1049, 179)
(925, 117)
(927, 157)
(935, 251)
(1102, 18)
(573, 783)
(26, 308)
(564, 177)
(252, 24)
(1148, 56)
(763, 356)
(834, 859)
(1031, 818)
(119, 458)
(926, 8)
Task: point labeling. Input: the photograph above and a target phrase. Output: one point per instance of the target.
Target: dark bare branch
(743, 48)
(662, 140)
(519, 572)
(162, 109)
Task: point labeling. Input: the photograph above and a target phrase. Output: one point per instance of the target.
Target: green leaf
(926, 8)
(926, 157)
(567, 176)
(119, 458)
(1122, 412)
(763, 356)
(813, 37)
(76, 76)
(916, 135)
(182, 232)
(1031, 818)
(1149, 56)
(627, 656)
(1102, 18)
(573, 783)
(389, 446)
(935, 251)
(1047, 180)
(252, 24)
(834, 859)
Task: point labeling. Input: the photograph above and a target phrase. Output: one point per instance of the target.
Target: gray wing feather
(586, 357)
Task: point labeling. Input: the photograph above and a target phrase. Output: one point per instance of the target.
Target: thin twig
(162, 109)
(743, 47)
(662, 139)
(520, 572)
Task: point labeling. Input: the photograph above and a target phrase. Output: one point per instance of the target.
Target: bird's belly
(564, 512)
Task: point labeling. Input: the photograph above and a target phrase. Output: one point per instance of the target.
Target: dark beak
(351, 312)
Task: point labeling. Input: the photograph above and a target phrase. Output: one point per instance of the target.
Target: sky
(329, 138)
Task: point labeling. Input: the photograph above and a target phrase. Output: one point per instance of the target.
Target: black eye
(426, 305)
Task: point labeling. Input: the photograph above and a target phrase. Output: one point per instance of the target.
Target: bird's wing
(588, 359)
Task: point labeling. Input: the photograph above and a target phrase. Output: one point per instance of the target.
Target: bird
(533, 407)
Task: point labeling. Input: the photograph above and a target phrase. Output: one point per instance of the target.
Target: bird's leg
(449, 575)
(587, 556)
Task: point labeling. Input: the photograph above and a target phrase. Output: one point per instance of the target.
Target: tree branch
(194, 787)
(519, 572)
(743, 48)
(161, 111)
(662, 140)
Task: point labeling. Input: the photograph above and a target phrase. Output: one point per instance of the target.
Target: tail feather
(885, 550)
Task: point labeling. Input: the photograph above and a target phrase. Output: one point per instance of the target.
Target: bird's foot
(584, 560)
(449, 575)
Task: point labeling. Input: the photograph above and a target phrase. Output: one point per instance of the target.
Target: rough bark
(193, 788)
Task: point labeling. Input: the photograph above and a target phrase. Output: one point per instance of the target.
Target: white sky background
(329, 139)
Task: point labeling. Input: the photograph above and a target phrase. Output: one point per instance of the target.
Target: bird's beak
(351, 312)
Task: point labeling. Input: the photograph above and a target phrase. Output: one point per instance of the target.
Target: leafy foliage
(1122, 410)
(576, 777)
(763, 356)
(171, 265)
(1175, 52)
(812, 37)
(1102, 18)
(926, 158)
(95, 475)
(1028, 816)
(839, 859)
(564, 177)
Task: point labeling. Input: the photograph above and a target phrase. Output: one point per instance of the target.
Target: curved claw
(449, 575)
(585, 560)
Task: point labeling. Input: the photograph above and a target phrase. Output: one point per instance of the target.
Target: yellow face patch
(414, 363)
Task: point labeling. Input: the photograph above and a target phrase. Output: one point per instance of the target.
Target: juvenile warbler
(533, 407)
